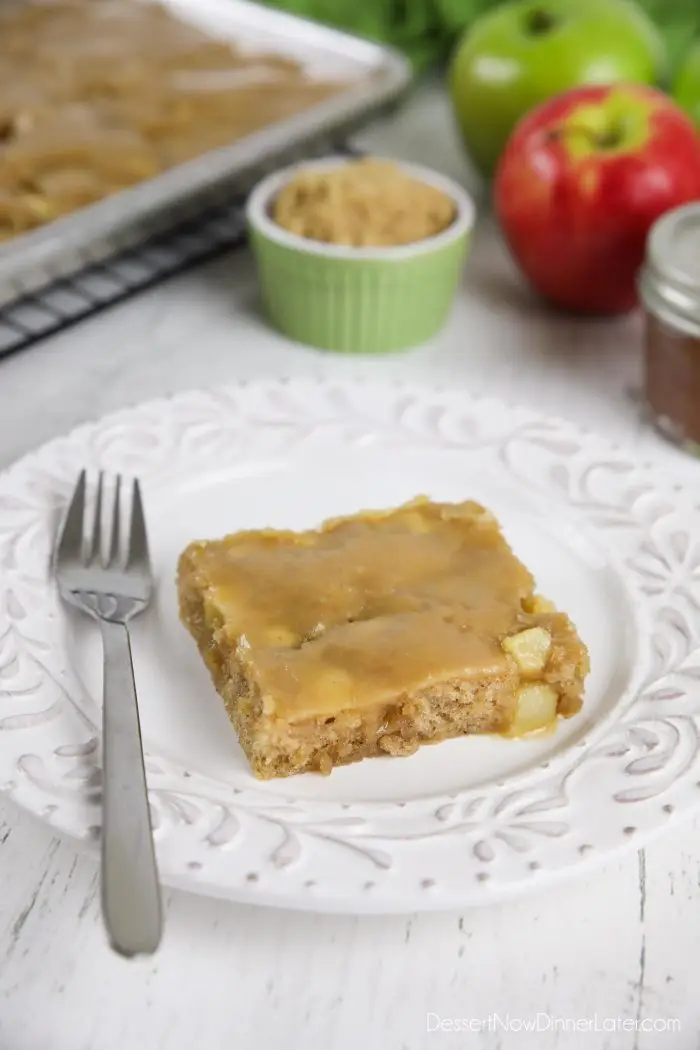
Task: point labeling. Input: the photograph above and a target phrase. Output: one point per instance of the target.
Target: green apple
(522, 53)
(686, 86)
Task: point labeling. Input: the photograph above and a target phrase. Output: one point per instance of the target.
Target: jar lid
(669, 282)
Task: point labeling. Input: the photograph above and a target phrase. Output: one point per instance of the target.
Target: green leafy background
(426, 29)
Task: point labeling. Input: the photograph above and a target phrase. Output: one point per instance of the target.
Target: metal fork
(112, 586)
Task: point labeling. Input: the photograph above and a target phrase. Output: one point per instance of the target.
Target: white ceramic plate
(465, 822)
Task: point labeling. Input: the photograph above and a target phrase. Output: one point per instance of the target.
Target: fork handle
(131, 901)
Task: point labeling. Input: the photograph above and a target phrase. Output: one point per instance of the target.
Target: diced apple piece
(529, 649)
(536, 708)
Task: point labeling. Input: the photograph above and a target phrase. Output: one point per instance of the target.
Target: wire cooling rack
(217, 229)
(68, 300)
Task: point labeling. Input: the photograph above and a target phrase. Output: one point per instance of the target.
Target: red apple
(581, 180)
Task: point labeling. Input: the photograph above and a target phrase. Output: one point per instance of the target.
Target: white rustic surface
(620, 944)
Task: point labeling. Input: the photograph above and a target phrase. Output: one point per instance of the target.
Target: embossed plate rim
(638, 771)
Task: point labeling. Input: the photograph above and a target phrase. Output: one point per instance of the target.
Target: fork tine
(95, 551)
(113, 556)
(71, 538)
(138, 540)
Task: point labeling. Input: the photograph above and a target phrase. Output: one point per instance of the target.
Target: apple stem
(605, 140)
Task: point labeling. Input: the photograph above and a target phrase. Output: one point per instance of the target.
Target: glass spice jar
(669, 288)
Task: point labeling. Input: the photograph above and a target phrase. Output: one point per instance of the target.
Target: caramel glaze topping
(367, 608)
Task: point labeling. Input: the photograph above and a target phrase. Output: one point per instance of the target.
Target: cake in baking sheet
(98, 95)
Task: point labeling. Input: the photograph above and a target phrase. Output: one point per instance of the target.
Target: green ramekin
(357, 300)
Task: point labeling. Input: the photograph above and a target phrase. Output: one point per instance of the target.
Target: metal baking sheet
(377, 76)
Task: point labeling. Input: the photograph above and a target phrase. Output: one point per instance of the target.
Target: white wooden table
(620, 944)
